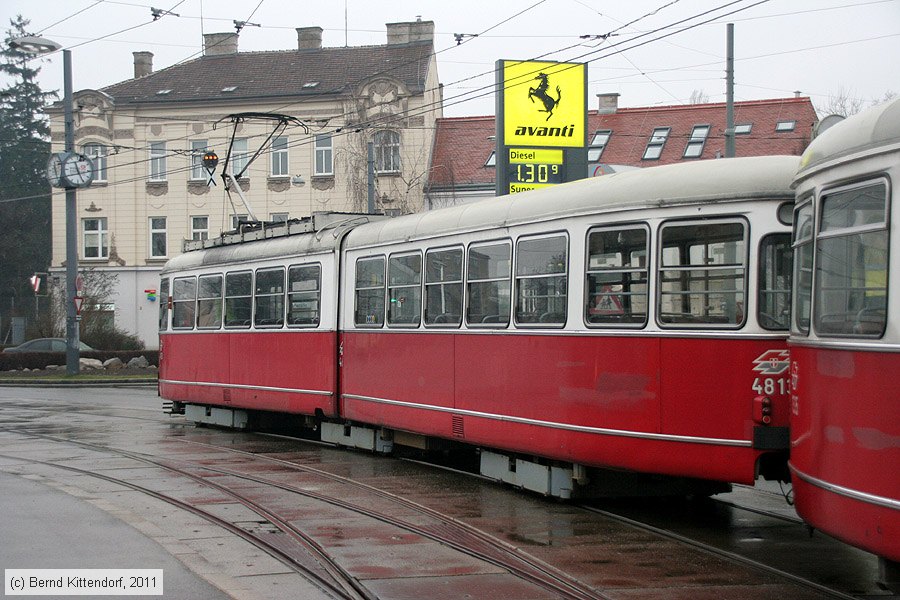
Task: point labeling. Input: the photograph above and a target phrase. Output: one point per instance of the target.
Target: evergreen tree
(25, 243)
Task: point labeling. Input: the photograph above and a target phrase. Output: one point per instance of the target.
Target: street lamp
(39, 45)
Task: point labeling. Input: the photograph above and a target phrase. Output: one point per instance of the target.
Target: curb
(62, 383)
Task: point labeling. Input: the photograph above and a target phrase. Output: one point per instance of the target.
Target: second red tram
(845, 335)
(633, 322)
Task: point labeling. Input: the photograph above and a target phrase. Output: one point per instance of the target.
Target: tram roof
(700, 182)
(878, 126)
(316, 235)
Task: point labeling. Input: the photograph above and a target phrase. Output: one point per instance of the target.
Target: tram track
(444, 529)
(721, 552)
(349, 591)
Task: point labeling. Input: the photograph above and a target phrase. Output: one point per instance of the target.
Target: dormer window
(785, 126)
(492, 159)
(655, 144)
(230, 88)
(163, 92)
(310, 84)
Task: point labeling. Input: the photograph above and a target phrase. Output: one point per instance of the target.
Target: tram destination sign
(535, 168)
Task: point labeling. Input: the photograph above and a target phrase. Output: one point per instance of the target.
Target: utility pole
(729, 93)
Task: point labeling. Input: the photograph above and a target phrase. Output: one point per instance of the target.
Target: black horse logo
(540, 92)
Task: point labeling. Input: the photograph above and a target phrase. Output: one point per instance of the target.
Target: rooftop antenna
(346, 43)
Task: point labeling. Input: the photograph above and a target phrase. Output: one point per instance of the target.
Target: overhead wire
(491, 89)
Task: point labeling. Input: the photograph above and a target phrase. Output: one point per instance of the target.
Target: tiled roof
(462, 145)
(278, 73)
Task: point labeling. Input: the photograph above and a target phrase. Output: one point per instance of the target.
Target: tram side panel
(844, 441)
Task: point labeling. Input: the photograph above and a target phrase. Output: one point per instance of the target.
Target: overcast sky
(650, 52)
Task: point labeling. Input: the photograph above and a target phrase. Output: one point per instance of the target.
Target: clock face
(54, 169)
(78, 170)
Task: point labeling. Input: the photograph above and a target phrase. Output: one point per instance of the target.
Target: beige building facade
(148, 137)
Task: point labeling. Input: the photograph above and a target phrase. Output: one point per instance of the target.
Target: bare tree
(699, 97)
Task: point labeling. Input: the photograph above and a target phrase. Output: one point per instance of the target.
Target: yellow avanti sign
(543, 104)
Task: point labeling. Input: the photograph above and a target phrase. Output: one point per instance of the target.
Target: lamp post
(40, 45)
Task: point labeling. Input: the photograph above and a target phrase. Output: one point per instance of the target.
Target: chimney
(410, 31)
(143, 64)
(215, 44)
(309, 38)
(797, 93)
(609, 103)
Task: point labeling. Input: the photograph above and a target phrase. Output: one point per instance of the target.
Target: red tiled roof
(273, 74)
(462, 145)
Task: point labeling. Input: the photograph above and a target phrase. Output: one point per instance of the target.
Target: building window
(198, 149)
(785, 126)
(324, 162)
(278, 218)
(157, 161)
(158, 237)
(598, 144)
(236, 220)
(279, 154)
(492, 159)
(697, 141)
(97, 153)
(743, 128)
(655, 144)
(96, 238)
(387, 152)
(240, 158)
(199, 228)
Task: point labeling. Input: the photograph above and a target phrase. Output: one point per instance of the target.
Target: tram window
(702, 276)
(775, 281)
(541, 280)
(803, 261)
(370, 292)
(184, 302)
(617, 275)
(488, 285)
(238, 299)
(405, 289)
(209, 302)
(163, 304)
(304, 295)
(443, 287)
(269, 298)
(851, 262)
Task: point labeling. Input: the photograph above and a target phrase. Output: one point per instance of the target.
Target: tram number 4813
(769, 386)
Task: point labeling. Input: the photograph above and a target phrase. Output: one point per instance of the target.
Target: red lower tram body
(697, 407)
(845, 432)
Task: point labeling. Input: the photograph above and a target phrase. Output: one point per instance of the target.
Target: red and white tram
(845, 334)
(632, 322)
